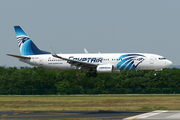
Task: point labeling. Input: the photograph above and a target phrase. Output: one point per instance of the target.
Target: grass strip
(90, 103)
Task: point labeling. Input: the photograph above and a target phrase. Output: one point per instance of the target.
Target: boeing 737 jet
(94, 63)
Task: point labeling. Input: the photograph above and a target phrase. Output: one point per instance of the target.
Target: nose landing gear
(155, 74)
(156, 71)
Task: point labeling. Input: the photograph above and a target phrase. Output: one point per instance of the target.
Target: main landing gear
(89, 74)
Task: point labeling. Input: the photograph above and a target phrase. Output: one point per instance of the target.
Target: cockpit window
(162, 58)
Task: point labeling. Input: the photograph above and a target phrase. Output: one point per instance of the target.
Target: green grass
(90, 102)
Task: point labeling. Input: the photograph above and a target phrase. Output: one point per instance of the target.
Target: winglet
(86, 52)
(55, 55)
(52, 52)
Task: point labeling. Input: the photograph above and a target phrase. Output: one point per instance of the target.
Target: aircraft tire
(94, 74)
(88, 74)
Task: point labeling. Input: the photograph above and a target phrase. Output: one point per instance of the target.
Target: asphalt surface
(68, 114)
(157, 115)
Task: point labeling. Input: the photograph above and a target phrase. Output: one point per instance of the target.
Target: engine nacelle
(105, 69)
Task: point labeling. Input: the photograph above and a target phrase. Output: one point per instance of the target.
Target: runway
(69, 114)
(157, 115)
(120, 115)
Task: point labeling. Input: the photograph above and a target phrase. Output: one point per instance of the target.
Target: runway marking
(145, 115)
(15, 113)
(133, 118)
(62, 113)
(100, 117)
(4, 115)
(177, 115)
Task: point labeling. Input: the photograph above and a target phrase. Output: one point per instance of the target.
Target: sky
(106, 26)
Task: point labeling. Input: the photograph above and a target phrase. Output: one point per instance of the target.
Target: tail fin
(26, 45)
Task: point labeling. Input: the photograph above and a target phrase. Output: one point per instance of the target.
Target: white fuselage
(120, 61)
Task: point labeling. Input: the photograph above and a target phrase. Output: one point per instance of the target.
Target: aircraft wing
(17, 56)
(74, 62)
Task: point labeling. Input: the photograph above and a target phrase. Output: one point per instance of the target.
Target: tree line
(43, 81)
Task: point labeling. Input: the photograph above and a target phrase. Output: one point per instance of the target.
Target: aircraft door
(151, 60)
(41, 61)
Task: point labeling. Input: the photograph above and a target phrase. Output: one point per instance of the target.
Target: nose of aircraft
(168, 63)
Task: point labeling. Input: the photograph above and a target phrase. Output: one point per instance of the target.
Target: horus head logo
(129, 61)
(21, 40)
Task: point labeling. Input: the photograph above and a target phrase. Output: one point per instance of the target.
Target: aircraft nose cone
(169, 63)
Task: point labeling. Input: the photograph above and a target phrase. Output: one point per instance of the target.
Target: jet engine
(105, 69)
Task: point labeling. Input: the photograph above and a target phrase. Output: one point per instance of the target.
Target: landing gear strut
(94, 74)
(156, 71)
(89, 74)
(155, 74)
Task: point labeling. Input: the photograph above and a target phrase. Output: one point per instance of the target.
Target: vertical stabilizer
(26, 45)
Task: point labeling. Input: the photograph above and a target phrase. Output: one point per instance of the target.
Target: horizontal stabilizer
(17, 56)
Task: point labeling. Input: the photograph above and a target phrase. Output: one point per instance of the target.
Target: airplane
(94, 63)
